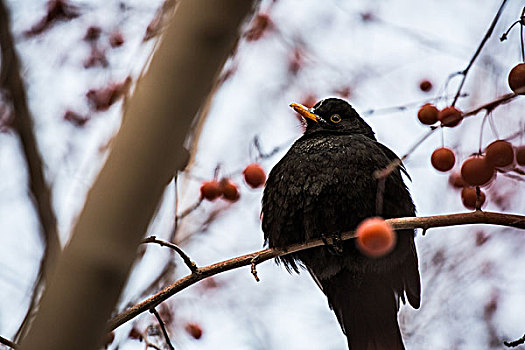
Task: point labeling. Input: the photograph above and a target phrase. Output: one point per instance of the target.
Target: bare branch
(514, 343)
(12, 84)
(8, 342)
(162, 327)
(188, 211)
(490, 106)
(476, 217)
(404, 107)
(190, 263)
(478, 50)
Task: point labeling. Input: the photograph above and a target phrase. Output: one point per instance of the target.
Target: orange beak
(304, 112)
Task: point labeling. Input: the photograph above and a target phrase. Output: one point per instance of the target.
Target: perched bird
(325, 185)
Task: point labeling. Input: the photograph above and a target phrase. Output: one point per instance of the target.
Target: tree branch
(490, 106)
(476, 217)
(8, 342)
(12, 84)
(163, 328)
(119, 206)
(514, 343)
(190, 263)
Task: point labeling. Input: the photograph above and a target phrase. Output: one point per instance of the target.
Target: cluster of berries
(480, 169)
(253, 174)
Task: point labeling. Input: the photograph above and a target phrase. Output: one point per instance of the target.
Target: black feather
(325, 184)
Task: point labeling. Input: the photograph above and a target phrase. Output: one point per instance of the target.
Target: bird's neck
(312, 133)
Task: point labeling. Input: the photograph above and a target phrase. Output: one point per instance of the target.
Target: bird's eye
(335, 118)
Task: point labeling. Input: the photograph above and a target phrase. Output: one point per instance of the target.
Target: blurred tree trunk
(90, 275)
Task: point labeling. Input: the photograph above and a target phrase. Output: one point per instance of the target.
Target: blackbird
(326, 184)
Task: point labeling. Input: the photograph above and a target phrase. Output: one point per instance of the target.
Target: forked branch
(425, 223)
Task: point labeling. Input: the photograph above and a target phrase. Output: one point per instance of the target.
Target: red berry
(428, 114)
(260, 25)
(375, 237)
(101, 99)
(520, 155)
(92, 33)
(517, 78)
(254, 175)
(135, 334)
(229, 190)
(116, 39)
(469, 197)
(455, 180)
(194, 330)
(443, 159)
(476, 171)
(211, 190)
(344, 91)
(499, 154)
(75, 118)
(425, 85)
(450, 116)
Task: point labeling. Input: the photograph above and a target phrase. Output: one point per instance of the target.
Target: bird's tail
(366, 310)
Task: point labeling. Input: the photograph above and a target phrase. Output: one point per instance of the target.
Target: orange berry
(375, 237)
(469, 197)
(517, 78)
(520, 155)
(476, 171)
(499, 153)
(455, 180)
(254, 175)
(450, 116)
(211, 190)
(428, 114)
(443, 159)
(425, 85)
(229, 190)
(194, 330)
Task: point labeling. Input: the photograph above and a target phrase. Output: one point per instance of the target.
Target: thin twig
(253, 269)
(188, 210)
(514, 343)
(522, 44)
(383, 173)
(262, 155)
(190, 263)
(476, 217)
(381, 181)
(13, 85)
(404, 107)
(162, 327)
(8, 342)
(478, 51)
(490, 106)
(505, 35)
(419, 142)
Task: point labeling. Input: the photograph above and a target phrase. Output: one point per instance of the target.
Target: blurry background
(374, 54)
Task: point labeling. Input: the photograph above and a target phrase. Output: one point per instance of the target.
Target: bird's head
(333, 115)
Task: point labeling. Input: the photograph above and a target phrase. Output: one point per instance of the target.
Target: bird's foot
(333, 243)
